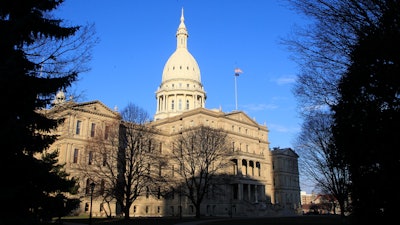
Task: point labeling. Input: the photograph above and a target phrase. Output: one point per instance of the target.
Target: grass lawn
(298, 220)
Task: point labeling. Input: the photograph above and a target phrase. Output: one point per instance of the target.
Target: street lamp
(91, 201)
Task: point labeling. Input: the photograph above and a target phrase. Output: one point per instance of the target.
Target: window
(102, 187)
(78, 127)
(150, 146)
(106, 132)
(76, 154)
(104, 159)
(187, 104)
(90, 161)
(92, 130)
(180, 104)
(172, 104)
(87, 189)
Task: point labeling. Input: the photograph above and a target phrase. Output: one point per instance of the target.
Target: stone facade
(262, 181)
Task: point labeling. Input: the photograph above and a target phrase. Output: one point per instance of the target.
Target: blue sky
(137, 38)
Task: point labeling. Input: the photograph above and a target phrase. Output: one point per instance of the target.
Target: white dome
(181, 89)
(181, 65)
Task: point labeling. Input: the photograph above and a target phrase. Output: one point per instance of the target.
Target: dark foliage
(368, 114)
(30, 183)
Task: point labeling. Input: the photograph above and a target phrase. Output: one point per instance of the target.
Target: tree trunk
(197, 210)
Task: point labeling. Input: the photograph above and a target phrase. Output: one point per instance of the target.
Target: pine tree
(29, 182)
(368, 114)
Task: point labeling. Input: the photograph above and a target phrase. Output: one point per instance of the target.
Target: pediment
(240, 116)
(95, 107)
(285, 151)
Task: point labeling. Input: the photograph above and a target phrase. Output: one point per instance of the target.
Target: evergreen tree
(368, 114)
(29, 182)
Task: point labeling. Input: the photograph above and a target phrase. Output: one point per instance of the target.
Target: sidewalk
(197, 222)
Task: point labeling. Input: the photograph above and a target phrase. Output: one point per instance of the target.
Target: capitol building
(259, 181)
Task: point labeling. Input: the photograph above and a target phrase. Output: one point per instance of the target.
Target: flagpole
(237, 72)
(236, 104)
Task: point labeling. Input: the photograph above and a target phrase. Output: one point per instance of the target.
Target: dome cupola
(181, 88)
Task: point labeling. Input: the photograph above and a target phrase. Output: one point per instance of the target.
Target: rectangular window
(150, 146)
(104, 159)
(90, 158)
(106, 132)
(76, 154)
(92, 130)
(78, 127)
(102, 187)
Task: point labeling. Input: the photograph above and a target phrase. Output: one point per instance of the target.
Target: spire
(182, 34)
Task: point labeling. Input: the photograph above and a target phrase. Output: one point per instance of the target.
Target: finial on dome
(182, 17)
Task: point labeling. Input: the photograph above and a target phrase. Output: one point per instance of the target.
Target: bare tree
(125, 159)
(320, 162)
(348, 60)
(58, 57)
(200, 155)
(322, 48)
(102, 166)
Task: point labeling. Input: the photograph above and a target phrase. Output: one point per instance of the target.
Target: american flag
(238, 71)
